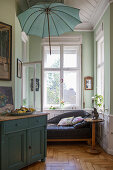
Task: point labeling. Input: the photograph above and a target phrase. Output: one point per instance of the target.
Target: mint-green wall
(7, 15)
(111, 58)
(35, 54)
(87, 65)
(35, 50)
(106, 23)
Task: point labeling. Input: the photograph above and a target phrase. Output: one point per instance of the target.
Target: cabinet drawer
(37, 121)
(15, 125)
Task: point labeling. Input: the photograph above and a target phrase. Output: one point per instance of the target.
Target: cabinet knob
(29, 147)
(16, 124)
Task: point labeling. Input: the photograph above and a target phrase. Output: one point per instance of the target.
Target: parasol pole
(47, 11)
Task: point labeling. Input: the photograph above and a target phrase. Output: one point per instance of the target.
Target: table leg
(93, 150)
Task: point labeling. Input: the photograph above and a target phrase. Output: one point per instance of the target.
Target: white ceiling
(90, 10)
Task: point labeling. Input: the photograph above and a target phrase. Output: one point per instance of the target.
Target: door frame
(34, 65)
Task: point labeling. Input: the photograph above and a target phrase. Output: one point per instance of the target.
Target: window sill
(58, 109)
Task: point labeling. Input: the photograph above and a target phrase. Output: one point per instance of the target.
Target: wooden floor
(73, 156)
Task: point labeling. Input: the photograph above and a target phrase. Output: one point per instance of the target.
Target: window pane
(52, 88)
(102, 52)
(100, 81)
(70, 88)
(98, 53)
(28, 94)
(53, 60)
(70, 56)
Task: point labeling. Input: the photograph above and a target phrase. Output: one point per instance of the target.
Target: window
(62, 76)
(100, 67)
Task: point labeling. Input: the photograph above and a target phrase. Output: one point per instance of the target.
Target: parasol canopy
(46, 20)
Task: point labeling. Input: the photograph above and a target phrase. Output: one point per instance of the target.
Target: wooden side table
(93, 150)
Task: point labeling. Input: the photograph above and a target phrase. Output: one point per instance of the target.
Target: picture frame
(88, 83)
(19, 68)
(5, 51)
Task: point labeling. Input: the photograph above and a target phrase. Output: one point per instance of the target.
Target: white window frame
(101, 64)
(61, 44)
(100, 41)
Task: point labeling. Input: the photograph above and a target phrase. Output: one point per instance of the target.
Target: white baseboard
(110, 151)
(102, 145)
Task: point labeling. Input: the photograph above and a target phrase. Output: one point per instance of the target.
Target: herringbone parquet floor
(73, 156)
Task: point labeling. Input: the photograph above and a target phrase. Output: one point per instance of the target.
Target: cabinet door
(14, 151)
(35, 144)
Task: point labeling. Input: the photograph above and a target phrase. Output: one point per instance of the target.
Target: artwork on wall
(88, 83)
(19, 68)
(36, 83)
(5, 51)
(6, 99)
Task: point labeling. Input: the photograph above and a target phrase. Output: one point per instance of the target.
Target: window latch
(61, 81)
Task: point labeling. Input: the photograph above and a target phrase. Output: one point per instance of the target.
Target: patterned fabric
(66, 121)
(77, 120)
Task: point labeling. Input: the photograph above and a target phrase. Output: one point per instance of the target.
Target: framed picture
(88, 82)
(19, 68)
(5, 51)
(6, 99)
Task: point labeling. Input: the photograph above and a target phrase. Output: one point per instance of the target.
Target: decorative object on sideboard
(5, 51)
(19, 68)
(6, 99)
(88, 83)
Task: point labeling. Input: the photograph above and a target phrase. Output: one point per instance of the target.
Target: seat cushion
(67, 132)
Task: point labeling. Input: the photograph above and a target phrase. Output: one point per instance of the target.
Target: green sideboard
(22, 141)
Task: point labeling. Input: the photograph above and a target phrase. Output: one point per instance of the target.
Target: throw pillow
(77, 120)
(66, 121)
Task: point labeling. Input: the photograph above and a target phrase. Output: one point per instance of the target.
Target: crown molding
(84, 27)
(108, 2)
(99, 11)
(95, 17)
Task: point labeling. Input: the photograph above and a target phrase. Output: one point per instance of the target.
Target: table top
(9, 117)
(93, 120)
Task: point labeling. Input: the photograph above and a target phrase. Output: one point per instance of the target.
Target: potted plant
(98, 99)
(61, 103)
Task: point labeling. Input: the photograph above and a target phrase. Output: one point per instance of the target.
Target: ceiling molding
(99, 12)
(83, 30)
(99, 17)
(84, 27)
